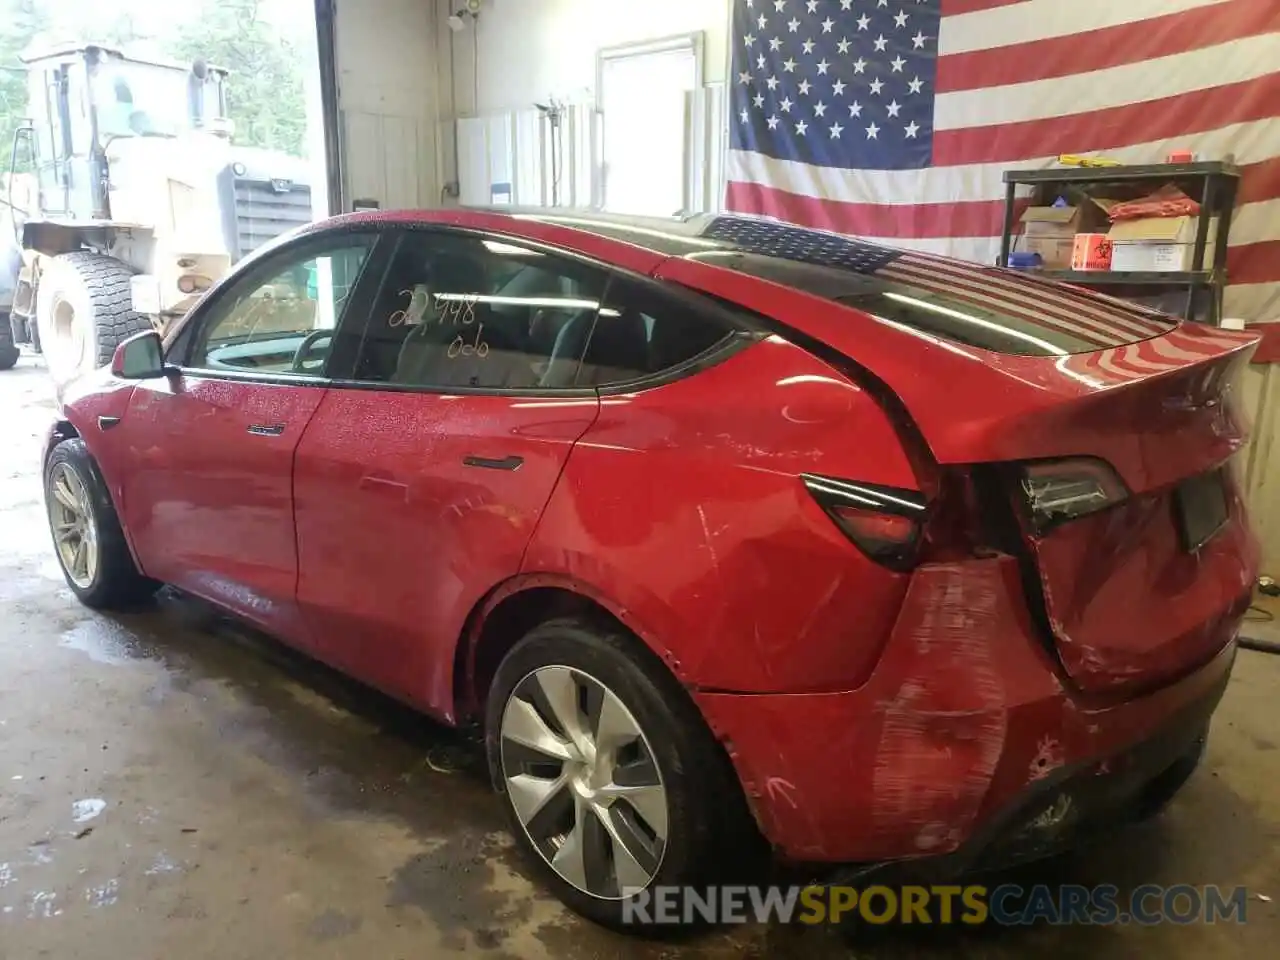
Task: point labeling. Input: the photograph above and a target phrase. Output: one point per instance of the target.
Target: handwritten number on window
(413, 310)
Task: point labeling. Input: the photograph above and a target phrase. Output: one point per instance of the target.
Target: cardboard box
(1051, 231)
(1048, 231)
(1158, 244)
(1091, 251)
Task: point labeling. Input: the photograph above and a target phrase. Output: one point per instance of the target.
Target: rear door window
(463, 311)
(641, 333)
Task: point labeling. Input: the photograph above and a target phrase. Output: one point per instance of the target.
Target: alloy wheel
(582, 779)
(75, 531)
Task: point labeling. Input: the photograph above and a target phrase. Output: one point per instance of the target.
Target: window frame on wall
(693, 43)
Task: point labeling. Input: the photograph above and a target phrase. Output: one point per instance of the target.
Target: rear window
(1004, 311)
(993, 309)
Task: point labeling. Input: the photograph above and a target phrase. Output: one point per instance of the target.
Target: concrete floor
(169, 787)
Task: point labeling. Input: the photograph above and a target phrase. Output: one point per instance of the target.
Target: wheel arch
(65, 428)
(505, 614)
(62, 429)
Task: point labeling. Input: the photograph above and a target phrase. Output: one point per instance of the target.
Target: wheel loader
(141, 200)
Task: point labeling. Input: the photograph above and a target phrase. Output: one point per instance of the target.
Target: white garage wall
(389, 102)
(533, 49)
(539, 51)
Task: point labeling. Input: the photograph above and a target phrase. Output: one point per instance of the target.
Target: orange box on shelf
(1091, 251)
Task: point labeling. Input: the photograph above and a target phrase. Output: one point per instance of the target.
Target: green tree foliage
(265, 93)
(21, 21)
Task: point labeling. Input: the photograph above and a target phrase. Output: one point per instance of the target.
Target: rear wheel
(611, 780)
(84, 309)
(87, 536)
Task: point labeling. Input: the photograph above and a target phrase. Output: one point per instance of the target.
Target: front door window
(281, 318)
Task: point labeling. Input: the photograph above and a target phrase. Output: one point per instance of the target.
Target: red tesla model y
(915, 562)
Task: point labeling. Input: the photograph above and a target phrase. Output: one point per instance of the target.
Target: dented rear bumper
(964, 734)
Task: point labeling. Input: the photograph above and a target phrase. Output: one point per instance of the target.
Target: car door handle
(106, 423)
(502, 463)
(266, 429)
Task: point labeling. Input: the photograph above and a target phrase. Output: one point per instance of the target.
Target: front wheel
(612, 782)
(87, 536)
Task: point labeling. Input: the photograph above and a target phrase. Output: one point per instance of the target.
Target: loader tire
(8, 348)
(84, 309)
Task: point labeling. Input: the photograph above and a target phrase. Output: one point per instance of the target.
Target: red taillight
(885, 523)
(1059, 490)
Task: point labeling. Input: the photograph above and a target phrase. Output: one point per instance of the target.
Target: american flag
(895, 119)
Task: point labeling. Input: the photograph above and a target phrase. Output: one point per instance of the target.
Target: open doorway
(642, 93)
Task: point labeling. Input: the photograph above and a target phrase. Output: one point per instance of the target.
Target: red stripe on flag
(1254, 262)
(1167, 118)
(976, 218)
(1109, 47)
(952, 8)
(1260, 181)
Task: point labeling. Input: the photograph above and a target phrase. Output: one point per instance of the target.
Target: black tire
(8, 347)
(117, 583)
(709, 831)
(97, 288)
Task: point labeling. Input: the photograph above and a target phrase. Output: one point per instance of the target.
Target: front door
(209, 500)
(419, 484)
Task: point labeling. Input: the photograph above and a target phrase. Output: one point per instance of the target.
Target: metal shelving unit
(1215, 183)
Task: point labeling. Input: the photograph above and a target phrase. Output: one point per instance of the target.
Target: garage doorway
(642, 93)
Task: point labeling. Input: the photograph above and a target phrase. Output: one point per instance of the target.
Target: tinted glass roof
(1006, 311)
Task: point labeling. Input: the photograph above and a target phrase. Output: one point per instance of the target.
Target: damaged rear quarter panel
(683, 505)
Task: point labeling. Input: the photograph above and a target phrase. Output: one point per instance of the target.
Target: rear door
(423, 475)
(209, 499)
